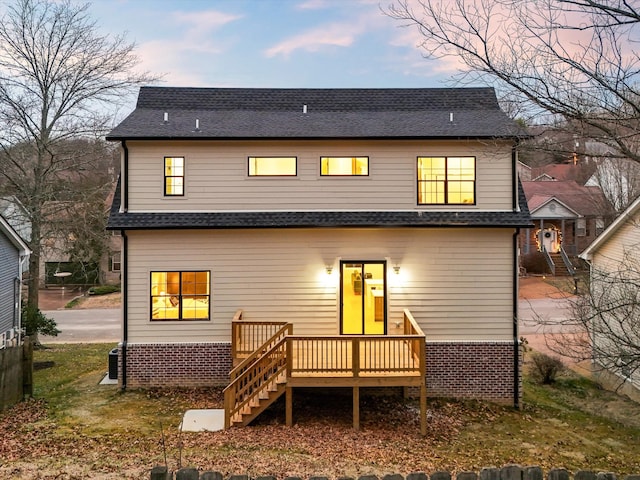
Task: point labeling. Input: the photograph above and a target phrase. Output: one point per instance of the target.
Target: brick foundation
(482, 370)
(176, 364)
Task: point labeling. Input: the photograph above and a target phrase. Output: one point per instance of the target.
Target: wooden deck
(267, 356)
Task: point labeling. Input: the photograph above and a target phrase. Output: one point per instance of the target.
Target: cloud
(312, 5)
(336, 34)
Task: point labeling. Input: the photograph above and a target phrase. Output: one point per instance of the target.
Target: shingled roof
(312, 219)
(266, 113)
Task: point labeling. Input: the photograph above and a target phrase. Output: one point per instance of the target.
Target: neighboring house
(17, 216)
(14, 253)
(354, 219)
(614, 258)
(567, 216)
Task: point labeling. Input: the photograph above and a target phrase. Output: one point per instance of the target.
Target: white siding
(625, 239)
(458, 283)
(217, 179)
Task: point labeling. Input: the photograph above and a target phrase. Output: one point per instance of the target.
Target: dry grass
(77, 429)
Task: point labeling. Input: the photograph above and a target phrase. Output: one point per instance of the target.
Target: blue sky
(272, 43)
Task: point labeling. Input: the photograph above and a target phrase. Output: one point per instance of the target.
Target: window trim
(180, 295)
(352, 157)
(446, 181)
(294, 157)
(183, 176)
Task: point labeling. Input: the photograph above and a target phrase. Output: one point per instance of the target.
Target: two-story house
(371, 232)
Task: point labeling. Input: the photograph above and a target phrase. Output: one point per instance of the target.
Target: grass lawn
(75, 428)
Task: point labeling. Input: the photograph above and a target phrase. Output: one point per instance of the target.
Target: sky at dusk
(272, 43)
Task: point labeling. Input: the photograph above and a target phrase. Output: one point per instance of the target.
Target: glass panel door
(363, 294)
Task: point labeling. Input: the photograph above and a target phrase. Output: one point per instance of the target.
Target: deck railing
(250, 336)
(354, 356)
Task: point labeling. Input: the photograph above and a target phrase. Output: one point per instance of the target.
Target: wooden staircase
(561, 268)
(258, 381)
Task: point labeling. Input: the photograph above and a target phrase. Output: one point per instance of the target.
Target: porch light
(329, 269)
(396, 269)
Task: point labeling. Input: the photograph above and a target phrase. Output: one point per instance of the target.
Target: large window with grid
(180, 295)
(446, 180)
(173, 176)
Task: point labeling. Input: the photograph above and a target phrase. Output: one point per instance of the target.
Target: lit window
(180, 295)
(272, 166)
(115, 263)
(344, 166)
(174, 175)
(446, 180)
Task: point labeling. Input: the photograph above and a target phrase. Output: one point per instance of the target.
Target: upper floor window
(174, 176)
(344, 166)
(272, 166)
(180, 295)
(446, 180)
(115, 264)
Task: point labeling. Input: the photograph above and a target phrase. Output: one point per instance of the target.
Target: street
(85, 326)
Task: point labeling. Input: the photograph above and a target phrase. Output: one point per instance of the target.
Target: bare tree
(59, 80)
(603, 323)
(567, 63)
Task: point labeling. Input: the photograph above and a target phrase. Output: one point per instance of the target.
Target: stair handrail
(547, 257)
(567, 262)
(255, 378)
(286, 329)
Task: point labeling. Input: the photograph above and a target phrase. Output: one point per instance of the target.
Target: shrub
(544, 368)
(104, 289)
(35, 322)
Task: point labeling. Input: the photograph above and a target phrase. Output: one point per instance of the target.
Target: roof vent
(166, 117)
(304, 109)
(450, 117)
(197, 124)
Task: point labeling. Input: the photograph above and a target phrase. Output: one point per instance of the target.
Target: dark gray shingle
(330, 113)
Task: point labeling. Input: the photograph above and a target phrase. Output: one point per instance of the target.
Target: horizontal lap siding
(9, 269)
(612, 252)
(216, 176)
(456, 282)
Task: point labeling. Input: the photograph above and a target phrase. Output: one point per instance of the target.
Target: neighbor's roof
(13, 237)
(582, 200)
(318, 113)
(310, 219)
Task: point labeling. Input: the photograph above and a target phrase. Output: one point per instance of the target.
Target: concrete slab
(210, 420)
(108, 381)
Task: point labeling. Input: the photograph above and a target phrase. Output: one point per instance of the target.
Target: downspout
(125, 310)
(22, 261)
(516, 344)
(124, 208)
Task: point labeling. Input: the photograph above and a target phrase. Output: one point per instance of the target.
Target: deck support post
(356, 408)
(289, 406)
(423, 409)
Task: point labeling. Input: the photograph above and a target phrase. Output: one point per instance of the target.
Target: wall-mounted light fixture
(396, 269)
(329, 269)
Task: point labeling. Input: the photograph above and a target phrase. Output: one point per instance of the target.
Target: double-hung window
(174, 176)
(180, 295)
(344, 166)
(446, 180)
(272, 166)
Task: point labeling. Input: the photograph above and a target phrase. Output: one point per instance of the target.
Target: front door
(363, 295)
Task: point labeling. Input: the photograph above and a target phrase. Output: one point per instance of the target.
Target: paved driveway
(85, 326)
